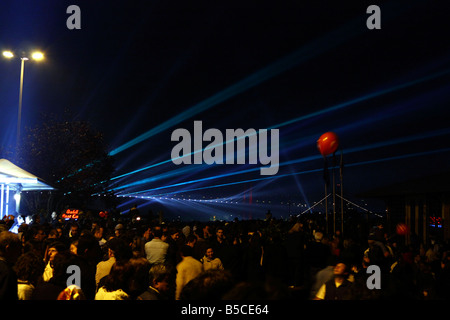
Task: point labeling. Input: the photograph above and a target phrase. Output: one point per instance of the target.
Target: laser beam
(315, 48)
(318, 113)
(405, 156)
(412, 138)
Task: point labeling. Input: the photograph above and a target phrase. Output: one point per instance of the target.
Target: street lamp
(8, 54)
(37, 55)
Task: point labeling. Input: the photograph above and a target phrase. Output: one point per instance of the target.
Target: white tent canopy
(14, 180)
(19, 179)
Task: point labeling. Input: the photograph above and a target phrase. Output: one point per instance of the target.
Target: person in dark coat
(161, 283)
(51, 289)
(338, 288)
(10, 250)
(316, 255)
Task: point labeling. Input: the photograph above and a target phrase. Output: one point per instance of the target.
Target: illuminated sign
(71, 214)
(436, 222)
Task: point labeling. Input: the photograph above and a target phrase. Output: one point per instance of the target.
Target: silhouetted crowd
(127, 259)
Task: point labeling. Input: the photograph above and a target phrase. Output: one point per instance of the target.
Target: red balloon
(328, 143)
(401, 229)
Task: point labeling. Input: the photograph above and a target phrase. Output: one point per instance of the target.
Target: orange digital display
(71, 214)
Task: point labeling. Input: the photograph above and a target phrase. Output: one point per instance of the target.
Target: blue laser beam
(412, 138)
(365, 98)
(405, 156)
(318, 113)
(313, 49)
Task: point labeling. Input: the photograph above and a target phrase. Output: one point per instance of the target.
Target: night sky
(141, 69)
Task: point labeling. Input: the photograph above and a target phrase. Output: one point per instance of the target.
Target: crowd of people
(120, 259)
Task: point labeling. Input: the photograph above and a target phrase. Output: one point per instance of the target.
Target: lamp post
(19, 115)
(35, 56)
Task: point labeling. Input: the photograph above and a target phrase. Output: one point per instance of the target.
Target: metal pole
(19, 117)
(1, 201)
(7, 200)
(334, 204)
(342, 195)
(326, 207)
(334, 195)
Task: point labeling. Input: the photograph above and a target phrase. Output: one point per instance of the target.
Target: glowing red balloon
(328, 143)
(401, 229)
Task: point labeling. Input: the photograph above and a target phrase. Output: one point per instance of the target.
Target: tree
(70, 156)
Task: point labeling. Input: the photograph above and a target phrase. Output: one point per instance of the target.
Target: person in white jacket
(187, 269)
(210, 262)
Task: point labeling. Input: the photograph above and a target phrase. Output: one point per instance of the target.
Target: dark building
(423, 204)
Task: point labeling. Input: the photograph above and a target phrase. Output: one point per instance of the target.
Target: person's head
(40, 235)
(119, 230)
(20, 220)
(88, 246)
(51, 253)
(53, 249)
(74, 230)
(220, 234)
(140, 273)
(186, 251)
(29, 267)
(157, 232)
(61, 263)
(341, 270)
(23, 228)
(209, 253)
(10, 246)
(160, 277)
(53, 234)
(186, 230)
(60, 231)
(98, 232)
(191, 240)
(118, 249)
(206, 231)
(74, 247)
(209, 285)
(147, 234)
(119, 277)
(318, 236)
(174, 234)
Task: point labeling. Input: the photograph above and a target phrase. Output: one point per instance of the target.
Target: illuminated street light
(38, 56)
(8, 54)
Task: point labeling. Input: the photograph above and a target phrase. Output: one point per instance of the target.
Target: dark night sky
(135, 65)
